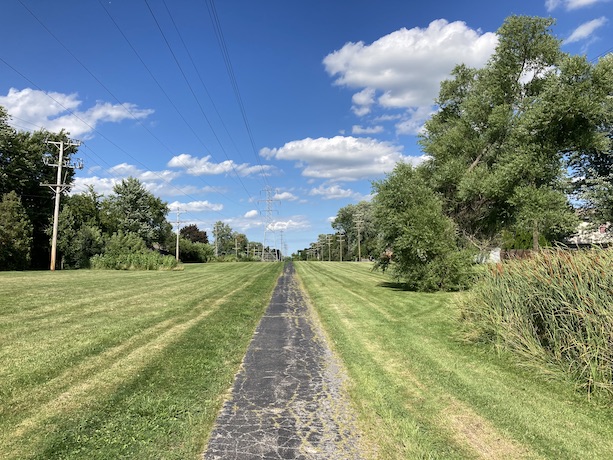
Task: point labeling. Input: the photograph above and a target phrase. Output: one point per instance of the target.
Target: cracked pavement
(287, 400)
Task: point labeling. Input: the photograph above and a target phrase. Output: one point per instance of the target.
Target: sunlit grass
(100, 364)
(423, 392)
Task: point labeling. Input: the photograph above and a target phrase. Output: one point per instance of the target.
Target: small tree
(194, 234)
(418, 242)
(15, 234)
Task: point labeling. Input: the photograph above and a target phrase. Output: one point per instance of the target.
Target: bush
(149, 260)
(417, 241)
(129, 252)
(194, 252)
(554, 310)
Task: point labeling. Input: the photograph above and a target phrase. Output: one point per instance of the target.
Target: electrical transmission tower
(266, 255)
(59, 185)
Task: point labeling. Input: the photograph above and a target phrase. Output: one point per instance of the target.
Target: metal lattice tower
(268, 224)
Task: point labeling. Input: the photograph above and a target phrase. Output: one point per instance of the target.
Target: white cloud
(157, 182)
(356, 129)
(340, 158)
(407, 66)
(102, 185)
(585, 30)
(195, 206)
(362, 101)
(285, 196)
(56, 111)
(334, 192)
(203, 166)
(293, 223)
(413, 120)
(251, 214)
(570, 5)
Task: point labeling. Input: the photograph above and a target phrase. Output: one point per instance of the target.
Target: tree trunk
(535, 236)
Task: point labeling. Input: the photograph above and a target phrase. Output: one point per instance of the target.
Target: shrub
(149, 260)
(418, 243)
(554, 310)
(194, 252)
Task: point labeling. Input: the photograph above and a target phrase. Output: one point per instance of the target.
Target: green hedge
(554, 310)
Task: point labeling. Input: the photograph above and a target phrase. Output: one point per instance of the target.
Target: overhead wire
(93, 129)
(159, 85)
(232, 76)
(114, 97)
(193, 93)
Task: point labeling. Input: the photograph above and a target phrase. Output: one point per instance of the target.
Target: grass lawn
(421, 392)
(109, 365)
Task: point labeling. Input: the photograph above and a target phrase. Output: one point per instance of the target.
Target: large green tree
(357, 223)
(15, 234)
(500, 141)
(132, 209)
(22, 170)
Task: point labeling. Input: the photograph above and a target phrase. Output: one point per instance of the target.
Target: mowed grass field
(109, 365)
(422, 392)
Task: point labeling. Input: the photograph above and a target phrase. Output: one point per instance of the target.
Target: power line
(230, 69)
(193, 93)
(93, 129)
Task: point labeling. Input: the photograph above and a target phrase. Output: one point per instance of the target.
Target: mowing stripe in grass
(31, 415)
(424, 393)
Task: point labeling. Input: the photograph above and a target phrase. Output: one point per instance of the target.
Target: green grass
(105, 364)
(422, 392)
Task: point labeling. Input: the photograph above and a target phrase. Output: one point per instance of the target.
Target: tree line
(519, 152)
(129, 220)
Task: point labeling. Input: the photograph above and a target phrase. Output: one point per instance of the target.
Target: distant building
(588, 235)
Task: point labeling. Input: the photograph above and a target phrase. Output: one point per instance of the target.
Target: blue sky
(209, 103)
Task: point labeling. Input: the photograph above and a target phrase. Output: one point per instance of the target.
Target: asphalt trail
(287, 400)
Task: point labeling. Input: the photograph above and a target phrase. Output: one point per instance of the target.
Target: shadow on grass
(395, 286)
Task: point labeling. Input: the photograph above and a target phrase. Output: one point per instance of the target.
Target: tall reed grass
(148, 260)
(554, 310)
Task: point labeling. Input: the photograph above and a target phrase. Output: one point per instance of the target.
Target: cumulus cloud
(195, 206)
(251, 214)
(285, 196)
(340, 158)
(293, 223)
(585, 30)
(404, 69)
(204, 166)
(157, 182)
(333, 192)
(56, 111)
(570, 4)
(356, 129)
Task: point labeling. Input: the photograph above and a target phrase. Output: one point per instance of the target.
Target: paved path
(287, 400)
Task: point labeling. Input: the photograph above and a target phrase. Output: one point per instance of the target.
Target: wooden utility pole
(359, 221)
(329, 241)
(59, 187)
(340, 240)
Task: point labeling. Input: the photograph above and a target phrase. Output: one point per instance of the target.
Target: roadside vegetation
(422, 391)
(106, 364)
(554, 310)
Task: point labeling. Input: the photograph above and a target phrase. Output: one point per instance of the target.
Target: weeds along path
(72, 342)
(288, 399)
(421, 392)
